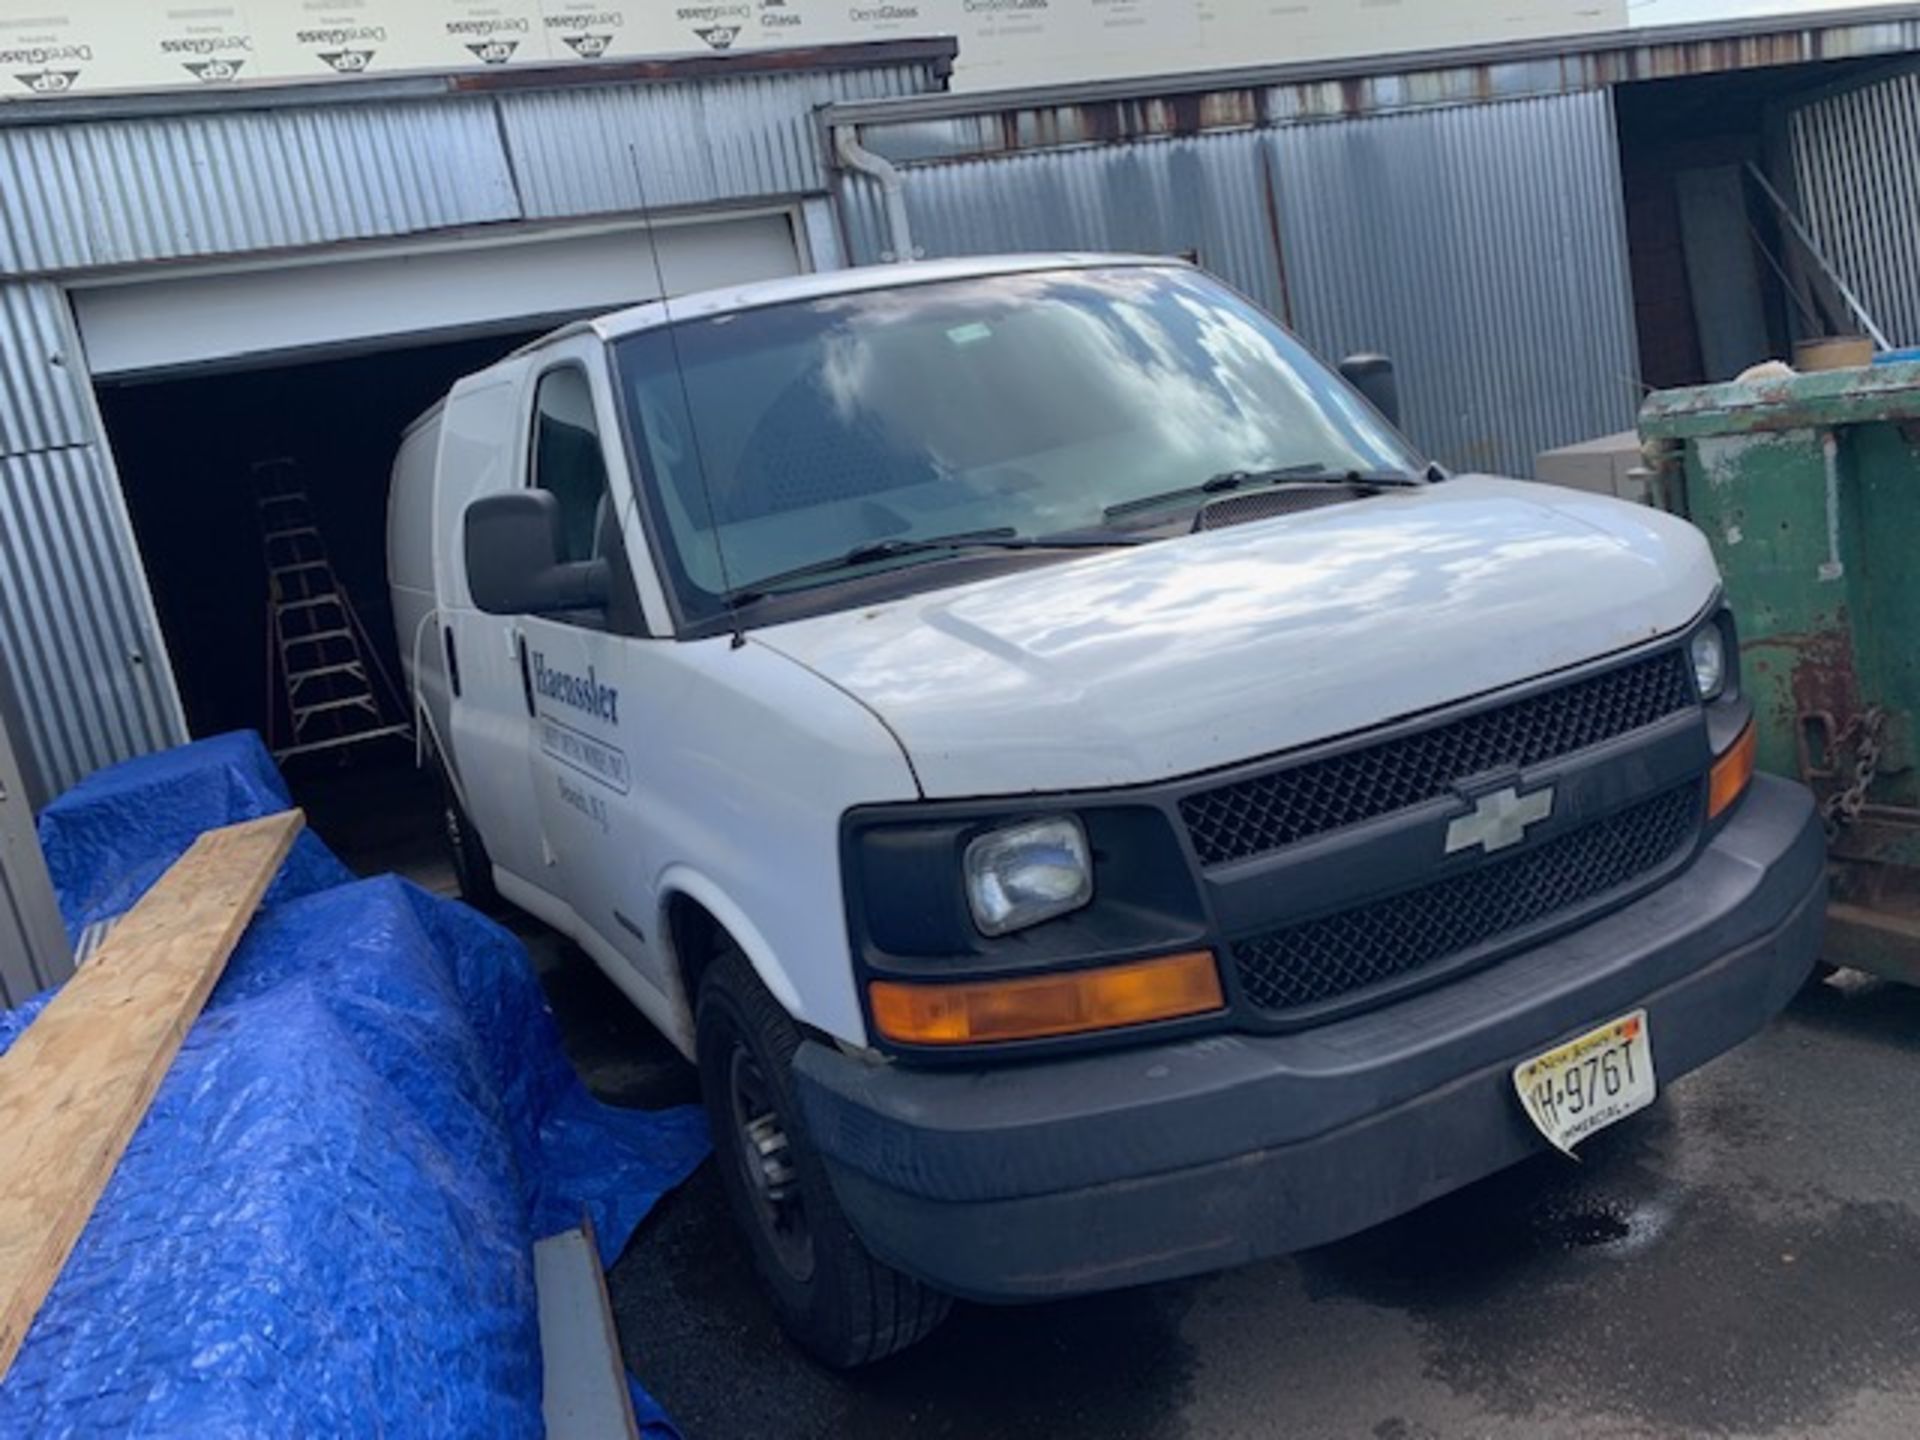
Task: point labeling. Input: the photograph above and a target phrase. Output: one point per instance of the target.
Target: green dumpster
(1808, 487)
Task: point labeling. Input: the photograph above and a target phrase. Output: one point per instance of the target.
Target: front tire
(832, 1296)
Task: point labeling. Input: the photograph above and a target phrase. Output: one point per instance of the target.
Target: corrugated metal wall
(77, 629)
(1483, 246)
(77, 632)
(1205, 195)
(116, 192)
(42, 406)
(34, 953)
(606, 148)
(1856, 160)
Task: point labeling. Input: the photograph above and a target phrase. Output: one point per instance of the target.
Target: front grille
(1354, 949)
(1253, 816)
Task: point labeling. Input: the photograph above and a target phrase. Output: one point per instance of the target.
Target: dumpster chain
(1843, 807)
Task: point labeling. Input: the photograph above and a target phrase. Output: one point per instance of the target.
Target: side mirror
(514, 564)
(1372, 376)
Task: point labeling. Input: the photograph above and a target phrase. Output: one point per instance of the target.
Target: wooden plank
(76, 1085)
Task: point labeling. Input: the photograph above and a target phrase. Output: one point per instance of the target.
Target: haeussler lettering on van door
(584, 693)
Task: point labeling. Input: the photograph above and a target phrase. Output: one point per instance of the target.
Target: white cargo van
(1095, 804)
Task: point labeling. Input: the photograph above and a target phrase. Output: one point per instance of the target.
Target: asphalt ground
(1743, 1259)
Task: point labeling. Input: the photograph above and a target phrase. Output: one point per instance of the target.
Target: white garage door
(240, 316)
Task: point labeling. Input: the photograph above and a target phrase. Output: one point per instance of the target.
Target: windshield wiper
(872, 552)
(1227, 481)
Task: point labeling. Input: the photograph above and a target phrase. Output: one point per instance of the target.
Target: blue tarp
(324, 1226)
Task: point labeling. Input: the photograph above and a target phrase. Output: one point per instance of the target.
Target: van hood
(1138, 665)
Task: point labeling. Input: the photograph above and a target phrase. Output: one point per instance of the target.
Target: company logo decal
(718, 24)
(49, 82)
(584, 693)
(595, 759)
(348, 62)
(1499, 821)
(494, 52)
(588, 47)
(210, 71)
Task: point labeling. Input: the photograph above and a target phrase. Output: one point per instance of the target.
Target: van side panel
(410, 575)
(487, 728)
(479, 455)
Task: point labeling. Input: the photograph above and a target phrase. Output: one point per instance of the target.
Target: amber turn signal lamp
(1731, 772)
(982, 1012)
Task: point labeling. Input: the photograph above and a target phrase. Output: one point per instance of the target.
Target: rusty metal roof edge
(937, 51)
(1632, 43)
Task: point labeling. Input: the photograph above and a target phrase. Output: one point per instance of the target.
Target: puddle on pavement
(1607, 1290)
(1582, 1227)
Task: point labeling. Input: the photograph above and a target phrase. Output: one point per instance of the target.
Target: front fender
(684, 880)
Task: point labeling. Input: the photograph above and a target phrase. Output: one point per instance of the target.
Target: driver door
(575, 665)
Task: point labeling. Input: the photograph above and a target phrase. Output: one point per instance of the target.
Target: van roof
(733, 298)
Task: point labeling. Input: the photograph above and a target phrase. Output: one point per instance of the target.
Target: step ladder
(321, 667)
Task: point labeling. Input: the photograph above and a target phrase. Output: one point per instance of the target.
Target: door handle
(526, 675)
(453, 662)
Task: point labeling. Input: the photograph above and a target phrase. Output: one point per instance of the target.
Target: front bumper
(1092, 1173)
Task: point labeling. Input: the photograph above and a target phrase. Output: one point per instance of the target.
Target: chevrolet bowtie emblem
(1500, 820)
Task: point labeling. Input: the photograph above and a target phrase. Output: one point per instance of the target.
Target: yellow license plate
(1590, 1083)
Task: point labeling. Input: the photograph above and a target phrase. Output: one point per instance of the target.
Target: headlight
(1708, 652)
(1027, 873)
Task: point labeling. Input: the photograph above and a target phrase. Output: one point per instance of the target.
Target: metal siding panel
(1856, 159)
(824, 250)
(1205, 194)
(41, 407)
(72, 618)
(119, 192)
(1483, 247)
(604, 149)
(863, 216)
(33, 943)
(1410, 233)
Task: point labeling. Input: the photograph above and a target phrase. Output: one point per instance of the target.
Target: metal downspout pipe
(893, 188)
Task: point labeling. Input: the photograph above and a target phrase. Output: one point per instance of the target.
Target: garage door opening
(206, 377)
(197, 457)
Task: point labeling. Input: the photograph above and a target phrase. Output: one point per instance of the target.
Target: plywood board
(76, 1085)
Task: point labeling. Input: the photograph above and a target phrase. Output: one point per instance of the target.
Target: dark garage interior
(1719, 280)
(186, 448)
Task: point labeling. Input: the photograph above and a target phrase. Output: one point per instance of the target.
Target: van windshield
(1022, 407)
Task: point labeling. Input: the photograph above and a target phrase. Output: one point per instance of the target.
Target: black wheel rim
(765, 1159)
